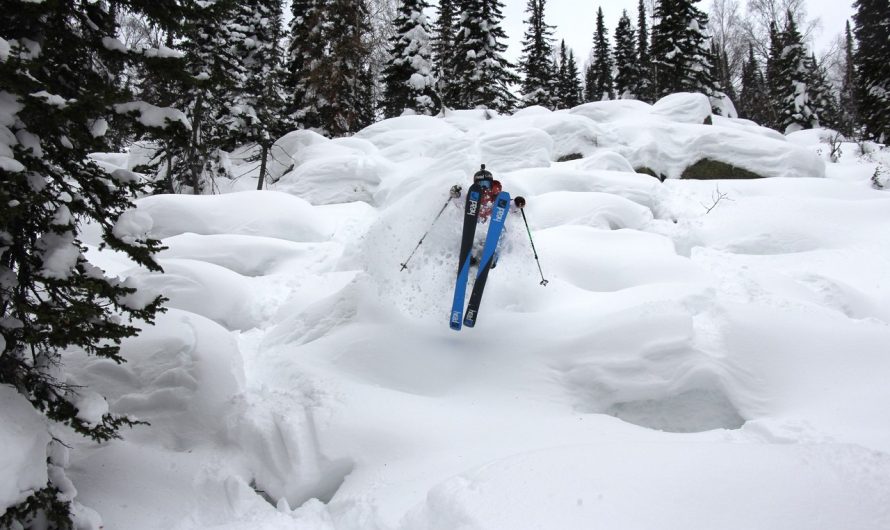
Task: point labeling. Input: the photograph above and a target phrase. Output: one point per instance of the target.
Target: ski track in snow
(682, 370)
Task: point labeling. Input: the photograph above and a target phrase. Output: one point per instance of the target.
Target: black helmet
(482, 174)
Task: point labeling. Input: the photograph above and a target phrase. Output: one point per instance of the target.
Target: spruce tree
(211, 40)
(409, 83)
(260, 101)
(820, 96)
(599, 75)
(574, 96)
(536, 65)
(305, 57)
(482, 76)
(443, 49)
(681, 56)
(788, 81)
(59, 94)
(627, 79)
(345, 91)
(872, 30)
(562, 77)
(646, 87)
(847, 100)
(753, 101)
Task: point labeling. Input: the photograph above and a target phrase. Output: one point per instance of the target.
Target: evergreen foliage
(599, 74)
(646, 87)
(408, 76)
(820, 96)
(328, 66)
(627, 78)
(260, 104)
(305, 55)
(538, 81)
(443, 49)
(754, 100)
(872, 30)
(482, 76)
(58, 92)
(788, 80)
(847, 99)
(681, 56)
(568, 91)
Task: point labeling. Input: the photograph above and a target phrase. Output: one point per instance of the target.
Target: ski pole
(455, 192)
(520, 203)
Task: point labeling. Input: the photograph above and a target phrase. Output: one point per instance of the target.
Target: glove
(519, 202)
(455, 191)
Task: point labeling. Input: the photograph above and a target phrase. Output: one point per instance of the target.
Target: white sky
(575, 21)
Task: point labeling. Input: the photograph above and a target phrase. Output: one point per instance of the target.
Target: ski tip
(455, 320)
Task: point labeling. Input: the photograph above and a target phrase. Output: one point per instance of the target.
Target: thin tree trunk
(263, 156)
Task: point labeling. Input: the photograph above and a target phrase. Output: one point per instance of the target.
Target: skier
(486, 203)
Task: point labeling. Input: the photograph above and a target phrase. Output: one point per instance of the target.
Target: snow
(152, 116)
(707, 354)
(24, 439)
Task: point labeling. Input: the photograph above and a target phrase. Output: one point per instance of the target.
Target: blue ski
(471, 216)
(489, 255)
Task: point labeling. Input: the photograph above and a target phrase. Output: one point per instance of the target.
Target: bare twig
(717, 196)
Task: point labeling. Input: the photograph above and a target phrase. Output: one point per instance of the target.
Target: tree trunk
(263, 156)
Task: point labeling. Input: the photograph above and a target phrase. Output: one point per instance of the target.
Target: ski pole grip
(519, 202)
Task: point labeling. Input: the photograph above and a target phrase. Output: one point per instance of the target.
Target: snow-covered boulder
(683, 107)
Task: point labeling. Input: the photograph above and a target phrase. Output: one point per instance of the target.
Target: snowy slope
(684, 368)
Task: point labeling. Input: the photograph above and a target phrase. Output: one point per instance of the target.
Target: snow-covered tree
(408, 77)
(681, 55)
(536, 64)
(328, 66)
(645, 89)
(627, 78)
(305, 55)
(788, 77)
(820, 95)
(56, 97)
(345, 90)
(754, 101)
(569, 92)
(872, 30)
(482, 76)
(260, 103)
(211, 38)
(599, 84)
(443, 49)
(847, 99)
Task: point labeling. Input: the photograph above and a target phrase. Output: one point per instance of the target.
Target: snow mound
(336, 179)
(683, 107)
(24, 439)
(527, 148)
(641, 189)
(286, 151)
(259, 213)
(608, 160)
(181, 375)
(604, 261)
(598, 210)
(387, 133)
(205, 289)
(251, 255)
